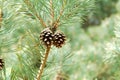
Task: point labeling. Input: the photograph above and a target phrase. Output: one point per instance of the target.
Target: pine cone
(1, 63)
(61, 76)
(59, 39)
(47, 37)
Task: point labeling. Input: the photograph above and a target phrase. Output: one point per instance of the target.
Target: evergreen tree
(43, 40)
(20, 46)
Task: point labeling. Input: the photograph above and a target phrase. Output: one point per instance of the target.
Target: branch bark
(43, 63)
(52, 10)
(56, 23)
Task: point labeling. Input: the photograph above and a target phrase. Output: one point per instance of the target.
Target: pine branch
(30, 6)
(56, 23)
(41, 20)
(52, 10)
(43, 63)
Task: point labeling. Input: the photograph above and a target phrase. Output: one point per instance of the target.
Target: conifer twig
(52, 10)
(27, 2)
(41, 20)
(43, 63)
(61, 13)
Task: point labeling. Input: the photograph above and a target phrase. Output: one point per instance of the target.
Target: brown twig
(27, 2)
(52, 10)
(41, 20)
(61, 12)
(43, 63)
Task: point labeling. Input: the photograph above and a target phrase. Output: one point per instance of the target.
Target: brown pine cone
(59, 39)
(46, 36)
(1, 64)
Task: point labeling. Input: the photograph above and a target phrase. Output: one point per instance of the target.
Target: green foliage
(21, 29)
(83, 57)
(112, 55)
(103, 9)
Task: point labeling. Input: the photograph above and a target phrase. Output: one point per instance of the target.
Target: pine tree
(21, 24)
